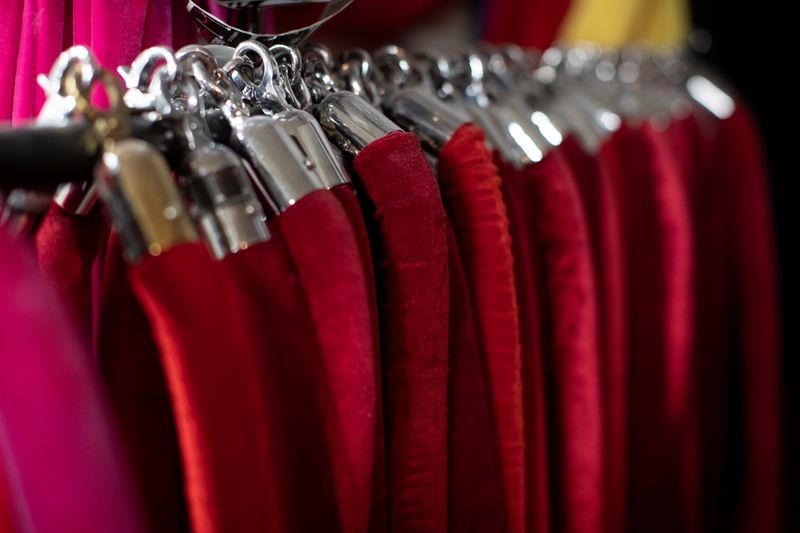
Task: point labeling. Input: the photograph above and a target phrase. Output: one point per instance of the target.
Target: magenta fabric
(10, 31)
(41, 40)
(65, 468)
(8, 520)
(408, 220)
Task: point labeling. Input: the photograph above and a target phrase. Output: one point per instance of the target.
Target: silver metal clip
(412, 105)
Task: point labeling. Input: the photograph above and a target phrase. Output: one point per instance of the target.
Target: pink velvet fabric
(63, 462)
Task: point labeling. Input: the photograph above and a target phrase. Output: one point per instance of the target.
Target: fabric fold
(570, 349)
(326, 255)
(211, 365)
(595, 177)
(658, 260)
(296, 388)
(130, 363)
(66, 247)
(62, 457)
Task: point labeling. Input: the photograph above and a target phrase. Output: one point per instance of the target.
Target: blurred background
(751, 43)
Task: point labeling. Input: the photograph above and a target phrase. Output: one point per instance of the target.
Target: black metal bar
(33, 157)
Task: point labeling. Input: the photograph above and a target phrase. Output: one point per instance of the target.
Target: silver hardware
(412, 105)
(351, 122)
(218, 31)
(271, 93)
(282, 170)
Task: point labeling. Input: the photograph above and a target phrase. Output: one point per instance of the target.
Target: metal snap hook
(213, 81)
(155, 62)
(290, 68)
(318, 71)
(395, 66)
(265, 91)
(359, 75)
(59, 106)
(108, 125)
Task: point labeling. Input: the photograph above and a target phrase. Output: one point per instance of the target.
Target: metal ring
(67, 60)
(108, 124)
(189, 55)
(142, 69)
(266, 84)
(393, 62)
(290, 65)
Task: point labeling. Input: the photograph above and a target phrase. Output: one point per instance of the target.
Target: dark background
(755, 46)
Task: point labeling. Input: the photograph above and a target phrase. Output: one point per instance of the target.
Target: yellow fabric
(622, 22)
(669, 23)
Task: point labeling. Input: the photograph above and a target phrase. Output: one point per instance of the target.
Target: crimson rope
(567, 291)
(408, 219)
(471, 191)
(326, 255)
(594, 175)
(211, 367)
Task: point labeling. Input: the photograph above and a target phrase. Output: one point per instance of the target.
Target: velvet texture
(569, 343)
(60, 450)
(475, 499)
(471, 191)
(754, 324)
(526, 269)
(317, 227)
(295, 383)
(659, 242)
(409, 223)
(211, 364)
(7, 519)
(350, 203)
(66, 247)
(129, 361)
(595, 175)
